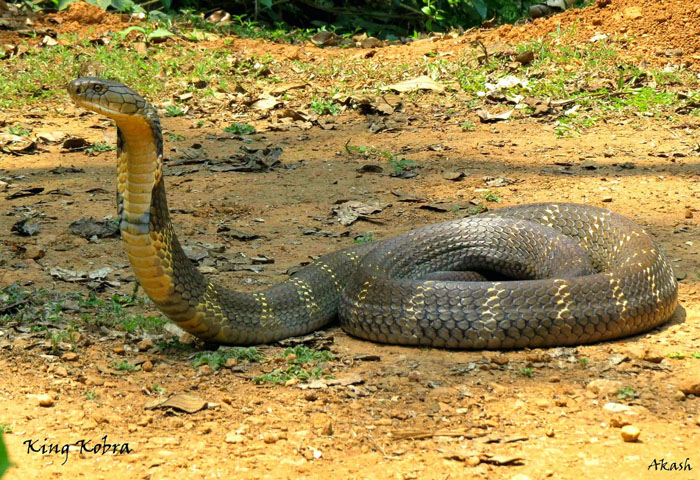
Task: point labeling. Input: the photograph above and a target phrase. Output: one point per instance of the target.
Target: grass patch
(239, 129)
(626, 393)
(218, 358)
(125, 365)
(526, 371)
(174, 111)
(303, 364)
(324, 106)
(367, 237)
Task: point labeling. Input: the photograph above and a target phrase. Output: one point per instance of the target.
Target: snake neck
(145, 225)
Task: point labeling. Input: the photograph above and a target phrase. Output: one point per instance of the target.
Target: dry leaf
(421, 83)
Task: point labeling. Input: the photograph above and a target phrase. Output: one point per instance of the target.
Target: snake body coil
(582, 274)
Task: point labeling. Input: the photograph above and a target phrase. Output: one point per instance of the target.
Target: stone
(630, 433)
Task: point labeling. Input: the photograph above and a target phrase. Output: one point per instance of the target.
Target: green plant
(366, 237)
(148, 33)
(174, 137)
(239, 129)
(625, 393)
(400, 165)
(696, 355)
(526, 371)
(149, 323)
(90, 394)
(174, 111)
(100, 147)
(492, 197)
(5, 428)
(125, 365)
(218, 358)
(467, 126)
(5, 463)
(583, 362)
(676, 355)
(324, 106)
(297, 359)
(158, 389)
(19, 130)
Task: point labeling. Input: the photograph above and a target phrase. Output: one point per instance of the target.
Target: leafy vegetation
(5, 463)
(239, 129)
(366, 237)
(303, 364)
(125, 365)
(626, 393)
(218, 358)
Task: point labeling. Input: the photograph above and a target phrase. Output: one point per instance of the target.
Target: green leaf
(103, 4)
(266, 3)
(481, 8)
(5, 463)
(123, 33)
(63, 4)
(160, 33)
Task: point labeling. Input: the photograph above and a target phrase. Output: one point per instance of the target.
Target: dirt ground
(394, 412)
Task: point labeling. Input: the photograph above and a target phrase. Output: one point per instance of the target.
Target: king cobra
(548, 274)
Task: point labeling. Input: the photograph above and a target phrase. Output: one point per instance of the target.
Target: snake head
(110, 98)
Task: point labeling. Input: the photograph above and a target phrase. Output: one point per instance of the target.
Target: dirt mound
(86, 19)
(653, 31)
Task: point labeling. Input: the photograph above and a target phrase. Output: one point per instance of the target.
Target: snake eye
(97, 88)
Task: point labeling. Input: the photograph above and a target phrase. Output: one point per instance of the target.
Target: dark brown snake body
(582, 274)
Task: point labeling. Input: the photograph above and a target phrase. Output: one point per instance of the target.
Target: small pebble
(691, 384)
(60, 372)
(630, 433)
(233, 437)
(414, 376)
(69, 356)
(327, 428)
(270, 437)
(144, 344)
(45, 400)
(118, 350)
(204, 371)
(310, 396)
(147, 366)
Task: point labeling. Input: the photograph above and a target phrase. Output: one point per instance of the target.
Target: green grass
(20, 130)
(174, 137)
(366, 237)
(303, 364)
(218, 358)
(125, 365)
(583, 362)
(100, 147)
(676, 355)
(324, 106)
(158, 389)
(626, 393)
(239, 129)
(90, 394)
(174, 111)
(492, 197)
(526, 371)
(5, 428)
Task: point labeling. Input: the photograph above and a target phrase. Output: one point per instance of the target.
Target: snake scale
(575, 274)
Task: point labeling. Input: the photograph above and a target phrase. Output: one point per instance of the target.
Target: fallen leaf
(487, 117)
(420, 83)
(183, 402)
(353, 210)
